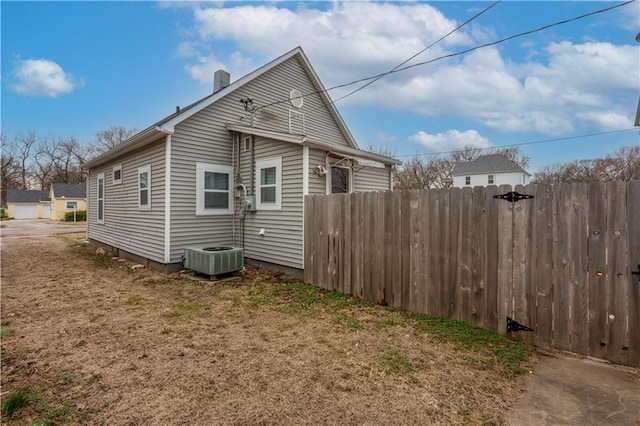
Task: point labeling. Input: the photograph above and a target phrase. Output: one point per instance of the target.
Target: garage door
(46, 212)
(25, 212)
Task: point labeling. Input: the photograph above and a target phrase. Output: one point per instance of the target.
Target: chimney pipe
(221, 79)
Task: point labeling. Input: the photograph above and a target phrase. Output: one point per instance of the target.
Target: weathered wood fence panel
(561, 263)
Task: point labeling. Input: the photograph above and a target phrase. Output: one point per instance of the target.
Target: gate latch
(513, 196)
(513, 325)
(636, 272)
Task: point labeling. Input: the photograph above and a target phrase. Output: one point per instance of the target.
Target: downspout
(233, 165)
(305, 190)
(167, 200)
(253, 165)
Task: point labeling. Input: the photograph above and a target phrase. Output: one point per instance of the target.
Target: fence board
(522, 295)
(435, 254)
(492, 207)
(479, 256)
(541, 276)
(422, 295)
(562, 275)
(465, 256)
(579, 326)
(397, 252)
(505, 260)
(389, 231)
(414, 251)
(346, 285)
(618, 347)
(596, 275)
(633, 240)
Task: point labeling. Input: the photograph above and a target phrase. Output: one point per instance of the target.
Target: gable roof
(69, 190)
(492, 163)
(167, 124)
(26, 196)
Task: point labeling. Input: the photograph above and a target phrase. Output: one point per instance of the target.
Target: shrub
(80, 216)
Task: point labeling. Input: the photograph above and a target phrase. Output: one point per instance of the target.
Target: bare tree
(59, 160)
(623, 165)
(24, 144)
(109, 138)
(10, 174)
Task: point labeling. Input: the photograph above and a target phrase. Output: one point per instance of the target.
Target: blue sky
(75, 68)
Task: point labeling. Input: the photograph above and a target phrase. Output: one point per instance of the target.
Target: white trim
(167, 200)
(100, 177)
(330, 180)
(144, 169)
(264, 164)
(305, 170)
(296, 99)
(117, 167)
(201, 168)
(66, 205)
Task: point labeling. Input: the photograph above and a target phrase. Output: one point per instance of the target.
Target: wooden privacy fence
(563, 263)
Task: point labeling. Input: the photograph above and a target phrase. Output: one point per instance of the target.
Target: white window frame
(246, 144)
(491, 179)
(117, 168)
(144, 169)
(467, 180)
(66, 205)
(201, 168)
(265, 164)
(350, 183)
(100, 199)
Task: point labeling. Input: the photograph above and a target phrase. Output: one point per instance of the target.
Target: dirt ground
(97, 342)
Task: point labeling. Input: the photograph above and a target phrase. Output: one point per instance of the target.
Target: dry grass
(86, 340)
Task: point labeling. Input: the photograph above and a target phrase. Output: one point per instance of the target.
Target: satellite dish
(296, 99)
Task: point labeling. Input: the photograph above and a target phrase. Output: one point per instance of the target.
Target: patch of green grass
(18, 399)
(68, 378)
(188, 309)
(480, 340)
(464, 413)
(6, 332)
(397, 363)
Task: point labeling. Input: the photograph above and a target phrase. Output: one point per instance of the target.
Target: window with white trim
(144, 187)
(269, 184)
(467, 180)
(71, 205)
(214, 189)
(100, 197)
(340, 180)
(117, 174)
(490, 180)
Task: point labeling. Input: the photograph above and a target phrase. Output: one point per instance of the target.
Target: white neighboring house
(494, 169)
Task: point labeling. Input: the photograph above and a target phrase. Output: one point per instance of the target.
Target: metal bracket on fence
(513, 196)
(636, 272)
(513, 325)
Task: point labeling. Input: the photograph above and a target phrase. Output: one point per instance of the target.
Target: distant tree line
(31, 161)
(436, 171)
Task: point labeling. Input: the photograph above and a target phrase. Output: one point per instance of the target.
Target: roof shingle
(493, 163)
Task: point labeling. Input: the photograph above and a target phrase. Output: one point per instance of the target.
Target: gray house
(230, 169)
(492, 169)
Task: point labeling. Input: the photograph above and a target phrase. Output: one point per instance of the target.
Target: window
(144, 188)
(269, 184)
(246, 144)
(72, 205)
(100, 197)
(117, 174)
(467, 180)
(490, 180)
(214, 189)
(340, 180)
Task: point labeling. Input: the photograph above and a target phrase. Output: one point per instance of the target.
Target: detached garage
(24, 204)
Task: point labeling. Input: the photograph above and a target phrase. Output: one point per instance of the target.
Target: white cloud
(451, 140)
(42, 77)
(206, 66)
(557, 88)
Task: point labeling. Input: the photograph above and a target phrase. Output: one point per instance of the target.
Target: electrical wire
(378, 76)
(370, 82)
(429, 154)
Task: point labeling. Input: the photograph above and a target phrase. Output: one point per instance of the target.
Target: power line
(522, 143)
(420, 52)
(378, 76)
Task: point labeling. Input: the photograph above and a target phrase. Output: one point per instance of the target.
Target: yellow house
(67, 197)
(28, 204)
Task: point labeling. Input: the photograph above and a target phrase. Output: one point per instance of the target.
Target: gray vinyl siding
(282, 243)
(317, 184)
(370, 179)
(126, 227)
(201, 138)
(274, 87)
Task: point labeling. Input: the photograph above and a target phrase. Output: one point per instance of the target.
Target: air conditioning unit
(213, 260)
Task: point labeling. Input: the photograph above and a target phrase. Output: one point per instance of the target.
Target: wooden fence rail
(562, 262)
